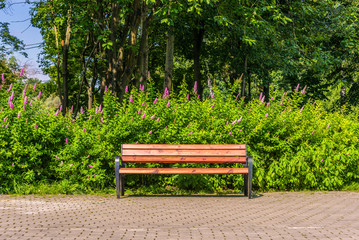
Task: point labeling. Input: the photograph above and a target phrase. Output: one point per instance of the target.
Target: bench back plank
(162, 153)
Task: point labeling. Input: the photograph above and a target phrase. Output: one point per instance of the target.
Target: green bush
(295, 144)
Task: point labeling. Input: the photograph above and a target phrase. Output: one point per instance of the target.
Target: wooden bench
(162, 153)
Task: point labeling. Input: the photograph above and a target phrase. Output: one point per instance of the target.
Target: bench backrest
(164, 153)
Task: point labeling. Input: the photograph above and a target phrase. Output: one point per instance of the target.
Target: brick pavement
(303, 215)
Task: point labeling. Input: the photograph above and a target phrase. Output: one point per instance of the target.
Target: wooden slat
(184, 152)
(179, 159)
(184, 146)
(183, 170)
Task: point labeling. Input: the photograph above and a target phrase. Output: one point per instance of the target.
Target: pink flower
(227, 123)
(139, 111)
(301, 109)
(153, 116)
(154, 102)
(12, 96)
(143, 103)
(158, 119)
(234, 122)
(23, 93)
(347, 154)
(90, 166)
(13, 164)
(321, 160)
(240, 130)
(148, 75)
(198, 96)
(11, 106)
(30, 103)
(168, 104)
(10, 87)
(105, 89)
(195, 87)
(5, 119)
(34, 87)
(81, 110)
(240, 119)
(143, 88)
(136, 142)
(166, 93)
(60, 107)
(297, 88)
(72, 108)
(190, 133)
(100, 108)
(3, 78)
(230, 133)
(266, 115)
(131, 99)
(187, 97)
(83, 130)
(328, 126)
(7, 125)
(39, 96)
(19, 114)
(313, 132)
(143, 116)
(35, 126)
(314, 103)
(22, 72)
(126, 89)
(67, 141)
(213, 106)
(150, 132)
(56, 113)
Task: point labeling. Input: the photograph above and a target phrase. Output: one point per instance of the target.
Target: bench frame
(120, 163)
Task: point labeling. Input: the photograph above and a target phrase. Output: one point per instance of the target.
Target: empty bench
(163, 153)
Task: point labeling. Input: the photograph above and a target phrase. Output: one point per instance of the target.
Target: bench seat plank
(179, 159)
(183, 152)
(184, 146)
(183, 170)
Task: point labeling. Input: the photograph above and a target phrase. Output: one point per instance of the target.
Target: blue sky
(19, 19)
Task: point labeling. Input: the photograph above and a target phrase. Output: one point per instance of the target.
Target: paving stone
(294, 215)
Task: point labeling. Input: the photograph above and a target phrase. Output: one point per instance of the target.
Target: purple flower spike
(240, 119)
(90, 166)
(143, 103)
(5, 119)
(11, 106)
(153, 116)
(12, 96)
(187, 97)
(34, 87)
(139, 111)
(266, 115)
(234, 122)
(195, 87)
(230, 133)
(83, 130)
(126, 89)
(3, 78)
(328, 126)
(297, 88)
(144, 115)
(347, 154)
(81, 110)
(23, 93)
(136, 142)
(166, 93)
(190, 133)
(169, 103)
(39, 96)
(13, 164)
(158, 119)
(67, 141)
(35, 126)
(19, 114)
(22, 72)
(10, 87)
(100, 108)
(150, 132)
(313, 132)
(143, 88)
(105, 89)
(154, 102)
(227, 123)
(60, 108)
(30, 103)
(213, 106)
(260, 96)
(131, 99)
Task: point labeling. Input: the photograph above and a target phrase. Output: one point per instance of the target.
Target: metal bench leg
(117, 174)
(250, 176)
(122, 184)
(245, 178)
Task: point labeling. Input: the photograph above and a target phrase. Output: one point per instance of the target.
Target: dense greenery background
(296, 145)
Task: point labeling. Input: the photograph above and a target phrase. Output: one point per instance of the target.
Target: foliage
(295, 144)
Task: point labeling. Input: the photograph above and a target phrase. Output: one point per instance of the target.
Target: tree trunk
(169, 60)
(65, 53)
(197, 42)
(243, 92)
